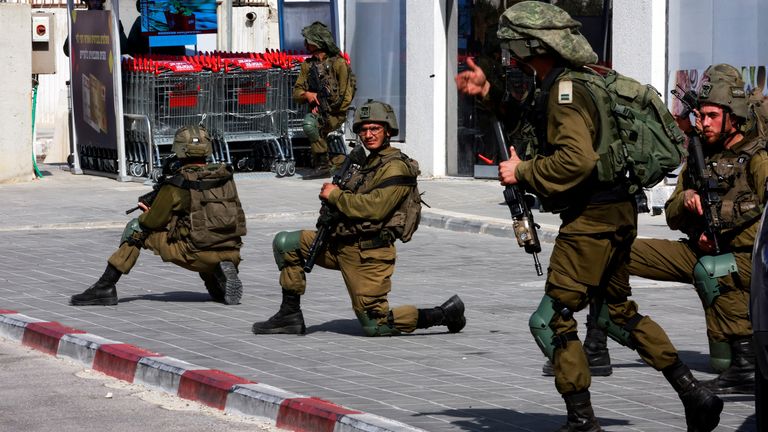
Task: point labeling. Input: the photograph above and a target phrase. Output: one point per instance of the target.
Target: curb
(462, 222)
(212, 387)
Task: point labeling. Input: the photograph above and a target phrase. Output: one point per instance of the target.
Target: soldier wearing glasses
(368, 213)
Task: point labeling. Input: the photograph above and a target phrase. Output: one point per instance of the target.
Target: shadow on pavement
(172, 296)
(507, 420)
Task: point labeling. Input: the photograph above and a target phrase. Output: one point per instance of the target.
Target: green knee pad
(285, 241)
(618, 333)
(719, 355)
(132, 232)
(540, 329)
(706, 272)
(372, 328)
(311, 128)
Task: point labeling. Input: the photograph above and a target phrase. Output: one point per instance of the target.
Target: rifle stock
(355, 157)
(519, 207)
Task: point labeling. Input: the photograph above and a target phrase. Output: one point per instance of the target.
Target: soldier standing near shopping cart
(194, 220)
(326, 84)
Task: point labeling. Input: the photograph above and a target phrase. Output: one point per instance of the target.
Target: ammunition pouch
(706, 272)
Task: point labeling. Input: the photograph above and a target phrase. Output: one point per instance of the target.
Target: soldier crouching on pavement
(372, 210)
(195, 221)
(541, 47)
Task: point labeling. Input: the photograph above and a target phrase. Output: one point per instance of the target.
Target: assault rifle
(171, 164)
(519, 204)
(704, 182)
(316, 85)
(329, 214)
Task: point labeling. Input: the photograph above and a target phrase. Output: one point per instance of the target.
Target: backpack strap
(396, 181)
(199, 185)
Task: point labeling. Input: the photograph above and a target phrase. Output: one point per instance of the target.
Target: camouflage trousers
(317, 127)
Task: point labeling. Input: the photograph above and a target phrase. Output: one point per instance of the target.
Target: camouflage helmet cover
(320, 36)
(550, 25)
(724, 86)
(376, 112)
(192, 141)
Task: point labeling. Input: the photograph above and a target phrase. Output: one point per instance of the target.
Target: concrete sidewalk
(57, 233)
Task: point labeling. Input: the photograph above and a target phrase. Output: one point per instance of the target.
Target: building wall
(639, 40)
(16, 88)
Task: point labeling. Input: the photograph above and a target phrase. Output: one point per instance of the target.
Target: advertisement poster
(93, 103)
(177, 17)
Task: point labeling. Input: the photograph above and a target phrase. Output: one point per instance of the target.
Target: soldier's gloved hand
(328, 216)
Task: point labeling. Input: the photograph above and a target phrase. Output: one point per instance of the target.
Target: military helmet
(376, 112)
(532, 27)
(192, 141)
(320, 36)
(723, 86)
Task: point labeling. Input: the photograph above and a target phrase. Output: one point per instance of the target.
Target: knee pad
(285, 241)
(621, 334)
(539, 324)
(372, 328)
(706, 272)
(132, 233)
(719, 355)
(311, 127)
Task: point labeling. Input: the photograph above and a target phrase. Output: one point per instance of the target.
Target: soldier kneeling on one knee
(372, 201)
(193, 219)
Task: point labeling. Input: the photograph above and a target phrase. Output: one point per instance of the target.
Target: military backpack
(405, 221)
(216, 218)
(639, 139)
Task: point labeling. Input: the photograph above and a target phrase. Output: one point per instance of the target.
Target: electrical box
(43, 43)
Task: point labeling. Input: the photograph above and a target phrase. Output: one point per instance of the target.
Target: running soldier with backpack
(545, 55)
(375, 204)
(195, 221)
(717, 203)
(326, 83)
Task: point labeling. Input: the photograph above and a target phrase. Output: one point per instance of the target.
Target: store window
(375, 40)
(478, 151)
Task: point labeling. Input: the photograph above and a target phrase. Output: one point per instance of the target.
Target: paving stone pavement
(58, 231)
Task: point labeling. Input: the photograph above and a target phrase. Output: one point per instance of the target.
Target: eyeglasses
(374, 130)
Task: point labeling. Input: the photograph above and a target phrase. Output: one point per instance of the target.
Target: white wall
(16, 88)
(425, 90)
(639, 40)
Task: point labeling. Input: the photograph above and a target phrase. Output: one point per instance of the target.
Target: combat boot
(288, 320)
(581, 417)
(223, 284)
(322, 167)
(450, 314)
(702, 406)
(103, 292)
(740, 376)
(596, 350)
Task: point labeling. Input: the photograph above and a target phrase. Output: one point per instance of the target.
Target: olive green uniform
(366, 261)
(166, 235)
(669, 260)
(332, 120)
(591, 253)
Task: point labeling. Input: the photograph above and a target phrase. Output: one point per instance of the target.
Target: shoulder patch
(565, 92)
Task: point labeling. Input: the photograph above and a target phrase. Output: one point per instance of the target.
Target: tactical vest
(740, 205)
(323, 81)
(216, 219)
(404, 220)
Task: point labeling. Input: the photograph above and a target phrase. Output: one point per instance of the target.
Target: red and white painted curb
(211, 387)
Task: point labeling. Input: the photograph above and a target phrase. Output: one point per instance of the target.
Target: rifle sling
(396, 181)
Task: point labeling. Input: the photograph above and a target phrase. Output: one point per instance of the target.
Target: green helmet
(192, 141)
(376, 112)
(532, 27)
(724, 86)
